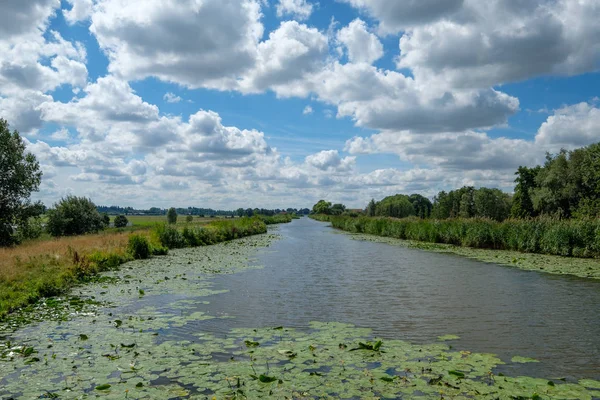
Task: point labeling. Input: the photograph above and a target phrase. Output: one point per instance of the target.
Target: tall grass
(215, 232)
(569, 238)
(50, 267)
(277, 219)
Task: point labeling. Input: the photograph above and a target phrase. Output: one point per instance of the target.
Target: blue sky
(280, 103)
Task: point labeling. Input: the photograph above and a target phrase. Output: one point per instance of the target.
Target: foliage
(276, 219)
(172, 216)
(20, 175)
(370, 210)
(74, 216)
(139, 247)
(569, 238)
(322, 207)
(105, 220)
(468, 202)
(522, 206)
(337, 209)
(215, 232)
(189, 218)
(422, 205)
(398, 206)
(121, 221)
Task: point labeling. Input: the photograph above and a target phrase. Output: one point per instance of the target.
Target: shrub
(121, 221)
(172, 216)
(170, 237)
(105, 220)
(74, 216)
(189, 218)
(139, 247)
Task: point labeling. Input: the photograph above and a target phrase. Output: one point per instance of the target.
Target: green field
(151, 220)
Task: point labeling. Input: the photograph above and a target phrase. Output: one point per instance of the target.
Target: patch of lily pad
(327, 360)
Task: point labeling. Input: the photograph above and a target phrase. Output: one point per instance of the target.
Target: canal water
(315, 273)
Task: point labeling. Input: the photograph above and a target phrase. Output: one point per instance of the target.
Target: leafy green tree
(121, 221)
(105, 220)
(371, 208)
(172, 216)
(189, 218)
(522, 205)
(74, 216)
(322, 207)
(337, 209)
(20, 175)
(398, 206)
(492, 203)
(240, 212)
(422, 205)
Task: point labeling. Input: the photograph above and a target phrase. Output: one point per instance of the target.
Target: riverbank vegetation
(49, 267)
(569, 238)
(555, 210)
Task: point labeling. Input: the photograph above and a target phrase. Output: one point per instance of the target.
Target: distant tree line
(566, 186)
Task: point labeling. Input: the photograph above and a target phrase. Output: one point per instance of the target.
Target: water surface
(317, 273)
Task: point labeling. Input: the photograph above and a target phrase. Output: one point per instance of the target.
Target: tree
(322, 207)
(189, 218)
(522, 205)
(492, 203)
(74, 216)
(397, 206)
(337, 209)
(172, 216)
(422, 205)
(121, 221)
(105, 220)
(371, 208)
(20, 175)
(240, 212)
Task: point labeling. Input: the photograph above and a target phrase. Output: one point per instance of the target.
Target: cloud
(81, 10)
(300, 9)
(158, 42)
(307, 110)
(395, 16)
(388, 100)
(330, 160)
(61, 135)
(18, 17)
(490, 43)
(171, 98)
(286, 60)
(362, 46)
(23, 111)
(571, 127)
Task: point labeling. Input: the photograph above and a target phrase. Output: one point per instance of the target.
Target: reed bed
(567, 238)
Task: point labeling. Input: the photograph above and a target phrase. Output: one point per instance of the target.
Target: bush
(121, 221)
(189, 218)
(169, 237)
(74, 216)
(172, 216)
(139, 247)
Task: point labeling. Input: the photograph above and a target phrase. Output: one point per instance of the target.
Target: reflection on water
(316, 273)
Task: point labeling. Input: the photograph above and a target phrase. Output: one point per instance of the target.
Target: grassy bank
(558, 247)
(49, 267)
(570, 238)
(278, 219)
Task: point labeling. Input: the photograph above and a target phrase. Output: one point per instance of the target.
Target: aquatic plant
(569, 238)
